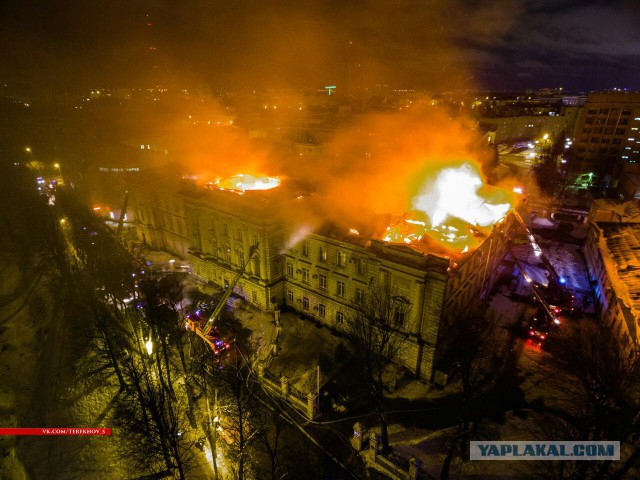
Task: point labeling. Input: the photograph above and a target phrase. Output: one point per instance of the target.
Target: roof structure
(620, 245)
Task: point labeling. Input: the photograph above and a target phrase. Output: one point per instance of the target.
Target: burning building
(439, 258)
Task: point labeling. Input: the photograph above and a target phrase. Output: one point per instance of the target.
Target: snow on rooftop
(620, 245)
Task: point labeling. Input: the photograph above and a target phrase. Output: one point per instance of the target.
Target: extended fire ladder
(554, 277)
(204, 331)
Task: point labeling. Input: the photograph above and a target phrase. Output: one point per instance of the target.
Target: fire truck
(205, 328)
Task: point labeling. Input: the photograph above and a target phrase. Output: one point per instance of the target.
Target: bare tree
(375, 327)
(595, 368)
(475, 354)
(155, 422)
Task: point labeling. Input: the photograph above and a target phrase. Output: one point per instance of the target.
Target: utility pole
(214, 455)
(318, 389)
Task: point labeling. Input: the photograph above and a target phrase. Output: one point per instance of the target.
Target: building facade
(607, 134)
(611, 252)
(325, 274)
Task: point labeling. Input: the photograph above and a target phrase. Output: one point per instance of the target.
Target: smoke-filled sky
(234, 44)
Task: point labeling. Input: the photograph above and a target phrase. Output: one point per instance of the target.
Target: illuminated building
(611, 252)
(323, 272)
(607, 134)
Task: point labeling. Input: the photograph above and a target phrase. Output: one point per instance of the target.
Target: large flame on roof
(455, 194)
(452, 208)
(241, 183)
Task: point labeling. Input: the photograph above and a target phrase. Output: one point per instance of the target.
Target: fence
(306, 403)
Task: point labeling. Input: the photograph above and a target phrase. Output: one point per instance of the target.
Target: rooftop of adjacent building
(620, 247)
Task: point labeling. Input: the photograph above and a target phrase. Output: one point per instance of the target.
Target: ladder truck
(205, 329)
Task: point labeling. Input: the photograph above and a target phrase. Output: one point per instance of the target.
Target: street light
(149, 346)
(27, 149)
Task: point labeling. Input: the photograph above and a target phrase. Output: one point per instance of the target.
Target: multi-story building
(324, 273)
(530, 127)
(328, 274)
(607, 134)
(223, 226)
(611, 252)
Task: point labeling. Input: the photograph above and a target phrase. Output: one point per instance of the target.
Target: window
(341, 289)
(341, 259)
(361, 267)
(289, 269)
(323, 254)
(227, 254)
(322, 311)
(359, 296)
(399, 319)
(305, 249)
(290, 295)
(322, 281)
(255, 240)
(256, 266)
(305, 275)
(305, 303)
(254, 296)
(239, 235)
(225, 230)
(339, 317)
(240, 256)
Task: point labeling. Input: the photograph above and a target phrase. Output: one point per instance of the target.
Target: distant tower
(152, 48)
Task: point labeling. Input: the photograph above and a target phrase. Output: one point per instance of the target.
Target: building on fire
(321, 272)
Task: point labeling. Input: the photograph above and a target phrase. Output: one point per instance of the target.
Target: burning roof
(241, 183)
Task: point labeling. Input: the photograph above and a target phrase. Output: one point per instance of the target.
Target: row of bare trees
(170, 404)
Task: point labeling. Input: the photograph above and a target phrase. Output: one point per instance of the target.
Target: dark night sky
(437, 44)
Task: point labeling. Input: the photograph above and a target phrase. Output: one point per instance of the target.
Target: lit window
(341, 259)
(323, 254)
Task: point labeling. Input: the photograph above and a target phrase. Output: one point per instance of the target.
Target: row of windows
(399, 316)
(341, 258)
(341, 287)
(606, 131)
(602, 121)
(607, 111)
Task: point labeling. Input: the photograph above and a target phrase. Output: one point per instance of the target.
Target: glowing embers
(455, 235)
(241, 183)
